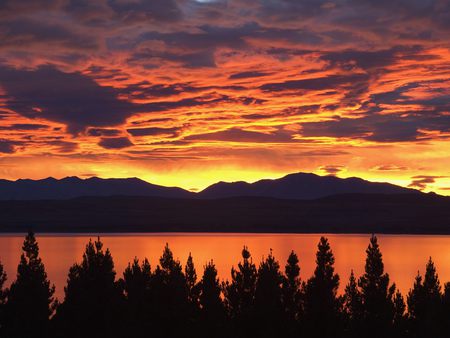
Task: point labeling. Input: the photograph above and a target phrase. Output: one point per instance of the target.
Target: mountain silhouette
(72, 187)
(294, 186)
(302, 186)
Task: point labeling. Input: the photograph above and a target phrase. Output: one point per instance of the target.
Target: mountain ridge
(292, 186)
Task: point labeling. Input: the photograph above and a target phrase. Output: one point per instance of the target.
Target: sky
(188, 92)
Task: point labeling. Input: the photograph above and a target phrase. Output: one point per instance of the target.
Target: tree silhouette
(213, 314)
(446, 309)
(376, 295)
(2, 297)
(400, 317)
(136, 281)
(322, 306)
(93, 299)
(240, 293)
(291, 295)
(268, 297)
(191, 281)
(425, 304)
(352, 307)
(170, 295)
(30, 298)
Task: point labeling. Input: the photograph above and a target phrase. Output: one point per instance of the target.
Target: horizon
(187, 92)
(213, 183)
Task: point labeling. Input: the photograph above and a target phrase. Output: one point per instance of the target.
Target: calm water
(403, 255)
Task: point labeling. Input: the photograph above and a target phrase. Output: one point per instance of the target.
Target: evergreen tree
(30, 298)
(322, 306)
(376, 295)
(169, 291)
(191, 280)
(425, 304)
(400, 317)
(136, 281)
(268, 297)
(2, 298)
(352, 307)
(93, 299)
(240, 293)
(213, 316)
(291, 295)
(446, 309)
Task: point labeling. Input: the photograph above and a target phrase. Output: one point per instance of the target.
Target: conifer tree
(291, 295)
(136, 281)
(2, 298)
(322, 306)
(213, 316)
(268, 297)
(446, 309)
(352, 307)
(93, 304)
(376, 294)
(30, 298)
(169, 292)
(240, 293)
(425, 304)
(191, 280)
(400, 316)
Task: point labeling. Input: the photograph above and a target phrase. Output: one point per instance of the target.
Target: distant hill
(71, 187)
(294, 186)
(352, 213)
(302, 186)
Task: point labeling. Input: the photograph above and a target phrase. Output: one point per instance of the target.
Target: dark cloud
(115, 143)
(20, 32)
(143, 10)
(390, 167)
(395, 130)
(69, 98)
(103, 132)
(378, 127)
(350, 59)
(201, 46)
(421, 181)
(13, 7)
(155, 120)
(240, 135)
(339, 127)
(7, 147)
(320, 83)
(247, 75)
(24, 126)
(332, 170)
(151, 58)
(290, 111)
(154, 131)
(63, 146)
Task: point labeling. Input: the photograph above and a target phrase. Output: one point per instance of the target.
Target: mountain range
(298, 202)
(304, 186)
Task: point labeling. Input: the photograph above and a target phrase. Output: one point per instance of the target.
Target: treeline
(267, 300)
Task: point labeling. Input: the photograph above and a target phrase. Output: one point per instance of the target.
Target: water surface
(403, 255)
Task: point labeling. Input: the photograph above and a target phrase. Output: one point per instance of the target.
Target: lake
(403, 255)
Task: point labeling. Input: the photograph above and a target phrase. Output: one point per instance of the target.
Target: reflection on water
(403, 255)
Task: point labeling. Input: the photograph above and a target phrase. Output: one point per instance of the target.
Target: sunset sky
(190, 92)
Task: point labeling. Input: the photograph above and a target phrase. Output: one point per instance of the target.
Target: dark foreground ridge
(164, 299)
(350, 213)
(293, 186)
